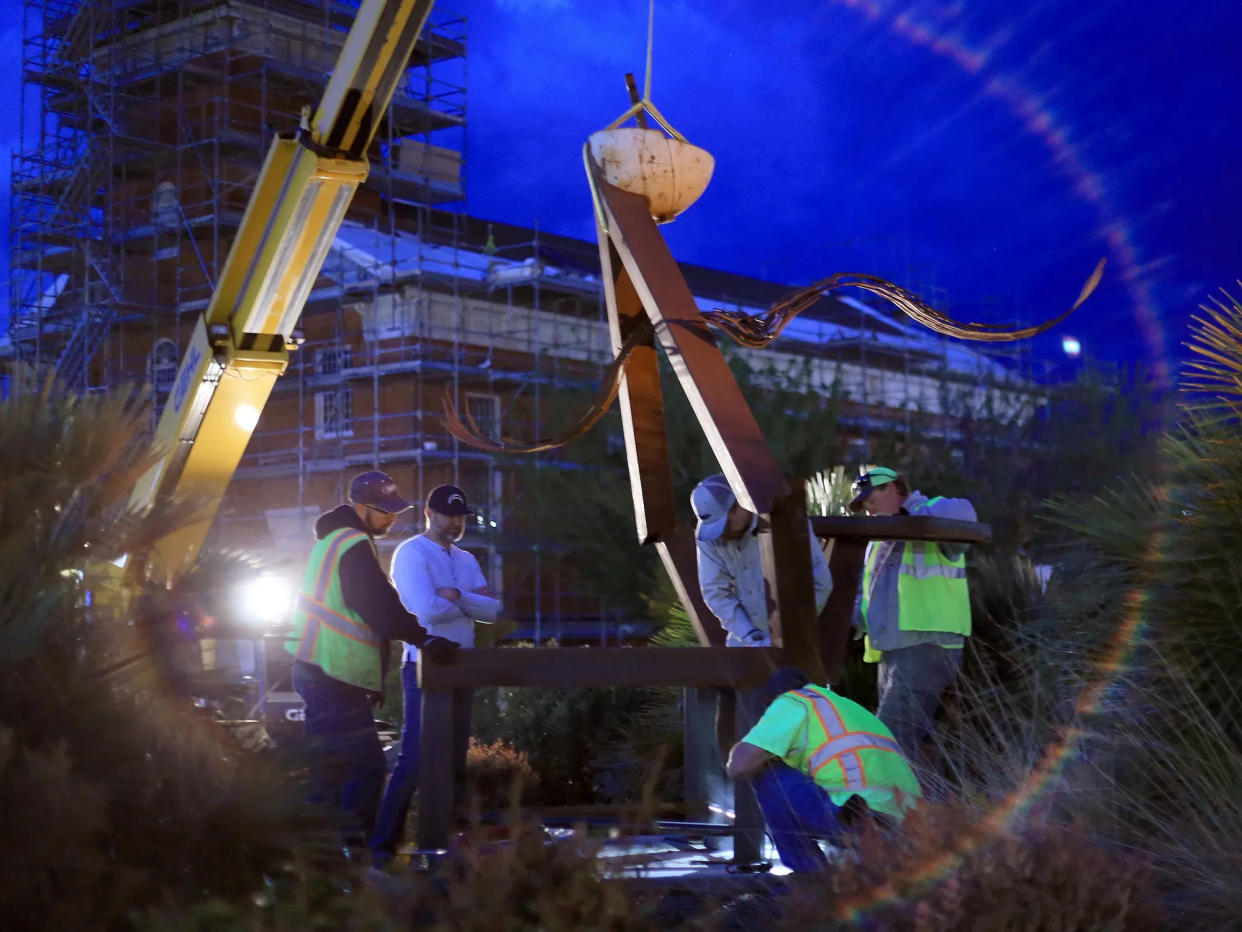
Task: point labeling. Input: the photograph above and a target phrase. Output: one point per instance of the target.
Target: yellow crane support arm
(241, 343)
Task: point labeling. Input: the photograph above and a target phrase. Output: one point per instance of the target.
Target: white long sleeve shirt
(731, 579)
(420, 566)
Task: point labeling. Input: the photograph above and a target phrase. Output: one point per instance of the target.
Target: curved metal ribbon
(756, 331)
(610, 384)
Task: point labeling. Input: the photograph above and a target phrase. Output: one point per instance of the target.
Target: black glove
(439, 650)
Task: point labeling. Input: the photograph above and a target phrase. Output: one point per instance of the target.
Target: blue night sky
(993, 149)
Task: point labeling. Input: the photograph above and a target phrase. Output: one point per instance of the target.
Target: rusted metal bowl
(669, 173)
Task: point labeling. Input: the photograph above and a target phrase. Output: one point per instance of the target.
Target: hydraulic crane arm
(242, 342)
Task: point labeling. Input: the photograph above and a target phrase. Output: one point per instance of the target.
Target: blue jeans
(798, 811)
(390, 822)
(347, 762)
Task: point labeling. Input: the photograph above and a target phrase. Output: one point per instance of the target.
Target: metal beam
(718, 403)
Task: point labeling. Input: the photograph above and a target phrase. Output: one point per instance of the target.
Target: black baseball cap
(378, 490)
(449, 500)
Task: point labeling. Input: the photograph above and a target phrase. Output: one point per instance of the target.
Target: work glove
(756, 638)
(439, 650)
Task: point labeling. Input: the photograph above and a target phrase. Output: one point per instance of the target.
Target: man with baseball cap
(445, 586)
(731, 568)
(913, 608)
(346, 613)
(733, 587)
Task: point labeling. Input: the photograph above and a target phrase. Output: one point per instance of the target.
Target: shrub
(497, 774)
(958, 868)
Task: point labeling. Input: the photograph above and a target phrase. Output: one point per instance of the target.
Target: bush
(958, 868)
(497, 774)
(562, 732)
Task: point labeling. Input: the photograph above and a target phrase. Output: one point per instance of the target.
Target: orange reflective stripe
(842, 747)
(320, 614)
(322, 577)
(820, 703)
(851, 770)
(310, 637)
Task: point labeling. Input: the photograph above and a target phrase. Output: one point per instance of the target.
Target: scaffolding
(153, 120)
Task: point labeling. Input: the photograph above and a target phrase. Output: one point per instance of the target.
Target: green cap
(869, 481)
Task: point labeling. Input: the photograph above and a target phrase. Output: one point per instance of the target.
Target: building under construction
(153, 120)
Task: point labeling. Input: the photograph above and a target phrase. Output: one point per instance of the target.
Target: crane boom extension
(241, 343)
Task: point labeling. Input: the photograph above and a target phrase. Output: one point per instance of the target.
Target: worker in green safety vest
(913, 609)
(821, 765)
(346, 614)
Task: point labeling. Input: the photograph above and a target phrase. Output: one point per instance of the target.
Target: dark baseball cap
(448, 500)
(378, 490)
(874, 478)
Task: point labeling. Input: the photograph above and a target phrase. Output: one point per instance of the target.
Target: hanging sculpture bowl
(670, 173)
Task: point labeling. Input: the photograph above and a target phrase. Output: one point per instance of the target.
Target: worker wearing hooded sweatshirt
(733, 586)
(347, 612)
(913, 607)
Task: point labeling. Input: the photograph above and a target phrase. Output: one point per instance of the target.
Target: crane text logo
(183, 380)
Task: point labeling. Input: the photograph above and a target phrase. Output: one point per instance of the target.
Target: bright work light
(246, 416)
(265, 599)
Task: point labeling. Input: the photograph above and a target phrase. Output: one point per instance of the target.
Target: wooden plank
(846, 565)
(747, 816)
(435, 767)
(546, 667)
(903, 527)
(794, 622)
(700, 760)
(718, 403)
(680, 560)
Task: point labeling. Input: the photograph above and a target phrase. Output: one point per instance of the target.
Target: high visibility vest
(932, 594)
(326, 631)
(848, 750)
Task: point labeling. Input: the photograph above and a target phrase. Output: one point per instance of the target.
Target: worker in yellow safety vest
(817, 761)
(346, 613)
(913, 608)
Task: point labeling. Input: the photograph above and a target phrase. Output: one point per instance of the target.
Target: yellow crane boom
(241, 343)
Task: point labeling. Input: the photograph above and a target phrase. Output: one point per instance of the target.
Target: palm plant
(116, 790)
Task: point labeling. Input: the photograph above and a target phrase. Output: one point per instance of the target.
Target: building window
(332, 360)
(334, 414)
(485, 410)
(162, 364)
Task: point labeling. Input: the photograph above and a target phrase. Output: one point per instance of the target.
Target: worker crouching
(812, 757)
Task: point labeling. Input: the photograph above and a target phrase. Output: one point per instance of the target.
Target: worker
(913, 609)
(445, 586)
(733, 586)
(731, 568)
(821, 766)
(346, 613)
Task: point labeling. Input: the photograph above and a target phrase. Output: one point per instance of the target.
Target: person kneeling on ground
(813, 757)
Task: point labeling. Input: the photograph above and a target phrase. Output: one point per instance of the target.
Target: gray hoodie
(731, 579)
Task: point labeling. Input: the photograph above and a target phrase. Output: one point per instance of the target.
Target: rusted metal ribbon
(610, 384)
(759, 330)
(756, 331)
